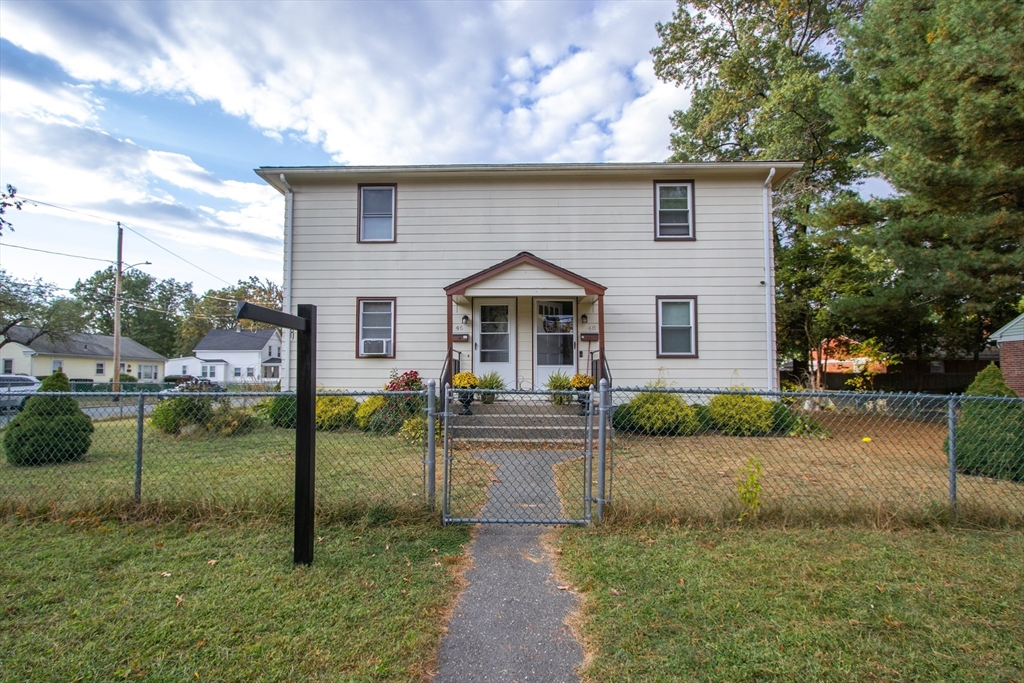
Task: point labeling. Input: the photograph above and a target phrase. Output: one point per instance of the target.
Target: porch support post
(448, 339)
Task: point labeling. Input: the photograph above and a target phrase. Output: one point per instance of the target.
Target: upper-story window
(377, 213)
(673, 210)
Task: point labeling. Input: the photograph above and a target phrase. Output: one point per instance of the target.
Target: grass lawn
(91, 600)
(901, 470)
(253, 471)
(665, 603)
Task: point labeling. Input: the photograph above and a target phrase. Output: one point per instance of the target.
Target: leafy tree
(8, 199)
(215, 310)
(759, 70)
(34, 304)
(938, 85)
(151, 309)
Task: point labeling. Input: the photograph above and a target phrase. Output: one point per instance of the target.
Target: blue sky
(155, 113)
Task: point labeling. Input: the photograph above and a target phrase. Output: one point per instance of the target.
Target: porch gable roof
(589, 287)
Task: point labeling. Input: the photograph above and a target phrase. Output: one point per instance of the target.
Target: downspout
(769, 284)
(289, 210)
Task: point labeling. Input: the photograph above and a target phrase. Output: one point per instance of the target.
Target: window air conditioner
(376, 347)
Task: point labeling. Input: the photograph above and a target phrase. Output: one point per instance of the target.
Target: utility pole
(117, 311)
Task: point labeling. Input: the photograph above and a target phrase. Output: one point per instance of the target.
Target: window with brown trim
(673, 210)
(377, 213)
(375, 328)
(677, 326)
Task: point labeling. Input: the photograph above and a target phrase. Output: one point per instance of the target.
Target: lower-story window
(677, 326)
(57, 365)
(8, 366)
(147, 372)
(375, 330)
(101, 368)
(208, 371)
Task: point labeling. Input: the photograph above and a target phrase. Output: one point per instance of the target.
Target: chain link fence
(668, 452)
(725, 455)
(230, 451)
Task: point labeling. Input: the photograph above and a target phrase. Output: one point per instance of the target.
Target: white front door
(554, 339)
(494, 339)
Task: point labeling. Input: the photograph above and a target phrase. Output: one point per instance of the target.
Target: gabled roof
(230, 340)
(524, 257)
(1011, 331)
(83, 344)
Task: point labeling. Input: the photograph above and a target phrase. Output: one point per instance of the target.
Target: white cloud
(377, 82)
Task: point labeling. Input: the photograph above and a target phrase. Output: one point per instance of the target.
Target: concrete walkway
(509, 624)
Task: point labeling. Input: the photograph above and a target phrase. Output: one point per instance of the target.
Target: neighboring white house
(227, 356)
(83, 357)
(664, 270)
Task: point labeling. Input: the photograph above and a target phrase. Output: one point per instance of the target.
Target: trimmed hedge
(656, 414)
(742, 415)
(990, 434)
(335, 412)
(51, 429)
(171, 414)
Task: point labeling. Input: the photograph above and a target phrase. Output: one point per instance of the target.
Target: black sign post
(305, 412)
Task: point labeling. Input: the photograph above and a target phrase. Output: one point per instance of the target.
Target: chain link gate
(518, 457)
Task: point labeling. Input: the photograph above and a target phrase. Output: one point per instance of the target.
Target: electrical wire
(55, 253)
(127, 227)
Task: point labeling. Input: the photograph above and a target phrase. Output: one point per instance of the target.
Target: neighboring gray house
(231, 357)
(664, 270)
(82, 356)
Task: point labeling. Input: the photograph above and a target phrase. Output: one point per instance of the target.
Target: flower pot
(465, 398)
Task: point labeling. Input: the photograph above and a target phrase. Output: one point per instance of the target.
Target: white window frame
(208, 371)
(148, 372)
(8, 366)
(661, 301)
(691, 224)
(101, 369)
(56, 365)
(237, 372)
(360, 303)
(363, 215)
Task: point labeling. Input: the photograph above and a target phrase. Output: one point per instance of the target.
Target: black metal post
(305, 436)
(305, 416)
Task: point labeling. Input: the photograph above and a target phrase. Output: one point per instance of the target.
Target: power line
(160, 246)
(56, 253)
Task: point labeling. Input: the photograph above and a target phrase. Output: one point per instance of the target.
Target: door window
(494, 333)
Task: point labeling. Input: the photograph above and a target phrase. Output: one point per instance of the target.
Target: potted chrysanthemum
(465, 383)
(581, 385)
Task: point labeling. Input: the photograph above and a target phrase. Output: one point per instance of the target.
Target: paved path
(509, 623)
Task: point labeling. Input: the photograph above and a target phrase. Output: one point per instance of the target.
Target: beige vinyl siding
(601, 229)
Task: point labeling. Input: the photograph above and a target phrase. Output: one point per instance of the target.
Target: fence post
(446, 467)
(138, 447)
(951, 420)
(602, 445)
(431, 442)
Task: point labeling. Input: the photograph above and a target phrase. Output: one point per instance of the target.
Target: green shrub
(787, 422)
(230, 421)
(742, 415)
(334, 412)
(990, 434)
(281, 412)
(171, 414)
(51, 429)
(366, 409)
(657, 414)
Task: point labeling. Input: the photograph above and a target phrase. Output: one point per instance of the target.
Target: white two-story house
(658, 270)
(232, 357)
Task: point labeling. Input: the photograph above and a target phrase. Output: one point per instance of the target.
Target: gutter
(289, 211)
(769, 284)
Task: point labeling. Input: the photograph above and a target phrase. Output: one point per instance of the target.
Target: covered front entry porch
(525, 319)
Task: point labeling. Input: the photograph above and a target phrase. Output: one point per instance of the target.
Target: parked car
(179, 379)
(192, 387)
(15, 390)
